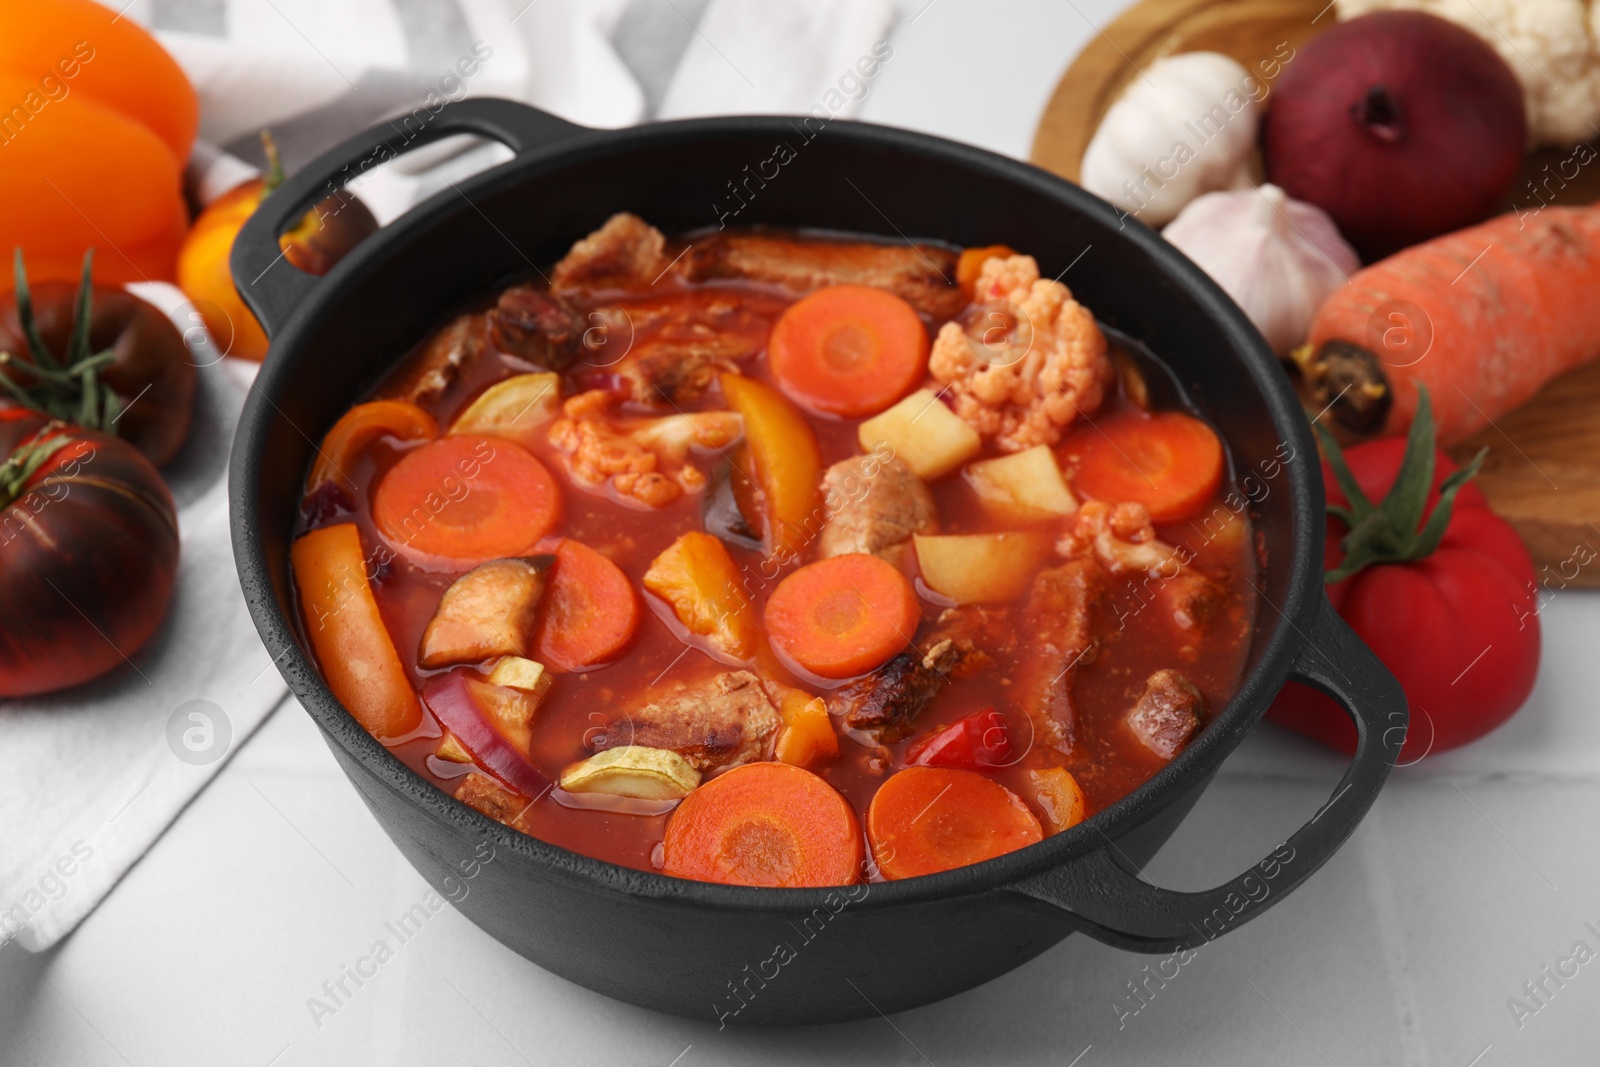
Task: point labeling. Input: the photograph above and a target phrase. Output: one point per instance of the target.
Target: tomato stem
(25, 462)
(67, 387)
(275, 176)
(1393, 530)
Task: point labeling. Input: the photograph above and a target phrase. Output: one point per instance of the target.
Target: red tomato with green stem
(1439, 586)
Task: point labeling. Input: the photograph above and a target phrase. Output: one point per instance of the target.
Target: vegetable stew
(777, 558)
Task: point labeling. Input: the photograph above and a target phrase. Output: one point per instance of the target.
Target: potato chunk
(1025, 486)
(489, 611)
(699, 580)
(930, 438)
(981, 568)
(633, 771)
(514, 408)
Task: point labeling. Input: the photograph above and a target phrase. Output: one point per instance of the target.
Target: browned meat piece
(874, 506)
(535, 326)
(1167, 713)
(722, 721)
(1060, 611)
(674, 346)
(484, 794)
(886, 703)
(923, 275)
(1195, 598)
(978, 633)
(440, 362)
(625, 253)
(489, 611)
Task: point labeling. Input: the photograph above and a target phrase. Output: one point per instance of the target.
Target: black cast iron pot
(747, 955)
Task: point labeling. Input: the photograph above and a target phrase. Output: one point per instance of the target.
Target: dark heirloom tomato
(150, 370)
(88, 552)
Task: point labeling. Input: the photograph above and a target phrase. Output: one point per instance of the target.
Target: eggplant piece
(633, 771)
(722, 514)
(489, 611)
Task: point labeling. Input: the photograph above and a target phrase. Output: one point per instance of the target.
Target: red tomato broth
(1107, 761)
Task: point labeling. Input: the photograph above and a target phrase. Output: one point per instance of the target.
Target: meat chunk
(1050, 367)
(489, 611)
(886, 703)
(671, 348)
(1059, 616)
(537, 327)
(1123, 539)
(922, 275)
(485, 795)
(625, 253)
(1167, 714)
(719, 722)
(874, 505)
(435, 368)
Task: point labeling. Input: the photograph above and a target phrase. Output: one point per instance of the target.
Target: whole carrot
(1483, 317)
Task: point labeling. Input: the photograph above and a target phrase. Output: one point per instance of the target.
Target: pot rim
(1191, 767)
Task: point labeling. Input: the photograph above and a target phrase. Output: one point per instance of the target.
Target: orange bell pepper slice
(786, 464)
(358, 428)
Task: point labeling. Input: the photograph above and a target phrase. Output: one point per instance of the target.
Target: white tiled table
(1475, 869)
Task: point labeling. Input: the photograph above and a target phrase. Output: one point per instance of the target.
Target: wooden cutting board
(1543, 468)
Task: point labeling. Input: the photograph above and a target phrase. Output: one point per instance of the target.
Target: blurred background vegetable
(1440, 587)
(99, 357)
(1437, 136)
(100, 121)
(90, 550)
(1278, 258)
(1147, 157)
(324, 235)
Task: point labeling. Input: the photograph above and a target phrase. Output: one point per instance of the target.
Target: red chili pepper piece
(973, 743)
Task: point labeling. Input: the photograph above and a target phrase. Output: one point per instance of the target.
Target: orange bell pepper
(96, 123)
(355, 651)
(697, 577)
(787, 465)
(358, 428)
(807, 733)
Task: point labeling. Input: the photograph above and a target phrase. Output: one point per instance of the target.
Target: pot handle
(1104, 892)
(274, 289)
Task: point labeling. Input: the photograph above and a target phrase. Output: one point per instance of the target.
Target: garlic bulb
(1186, 126)
(1278, 258)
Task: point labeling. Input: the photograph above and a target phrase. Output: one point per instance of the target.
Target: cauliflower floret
(1550, 45)
(631, 454)
(1029, 361)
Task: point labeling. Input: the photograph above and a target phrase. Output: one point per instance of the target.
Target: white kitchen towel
(94, 775)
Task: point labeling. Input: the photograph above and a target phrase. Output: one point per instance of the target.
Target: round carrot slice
(465, 499)
(929, 819)
(767, 824)
(842, 616)
(1170, 463)
(591, 610)
(848, 350)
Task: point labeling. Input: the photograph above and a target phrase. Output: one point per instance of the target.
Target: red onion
(1400, 125)
(448, 697)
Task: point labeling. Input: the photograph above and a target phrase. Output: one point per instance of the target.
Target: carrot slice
(764, 824)
(848, 350)
(347, 633)
(929, 819)
(842, 616)
(358, 428)
(466, 499)
(590, 611)
(970, 264)
(1169, 462)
